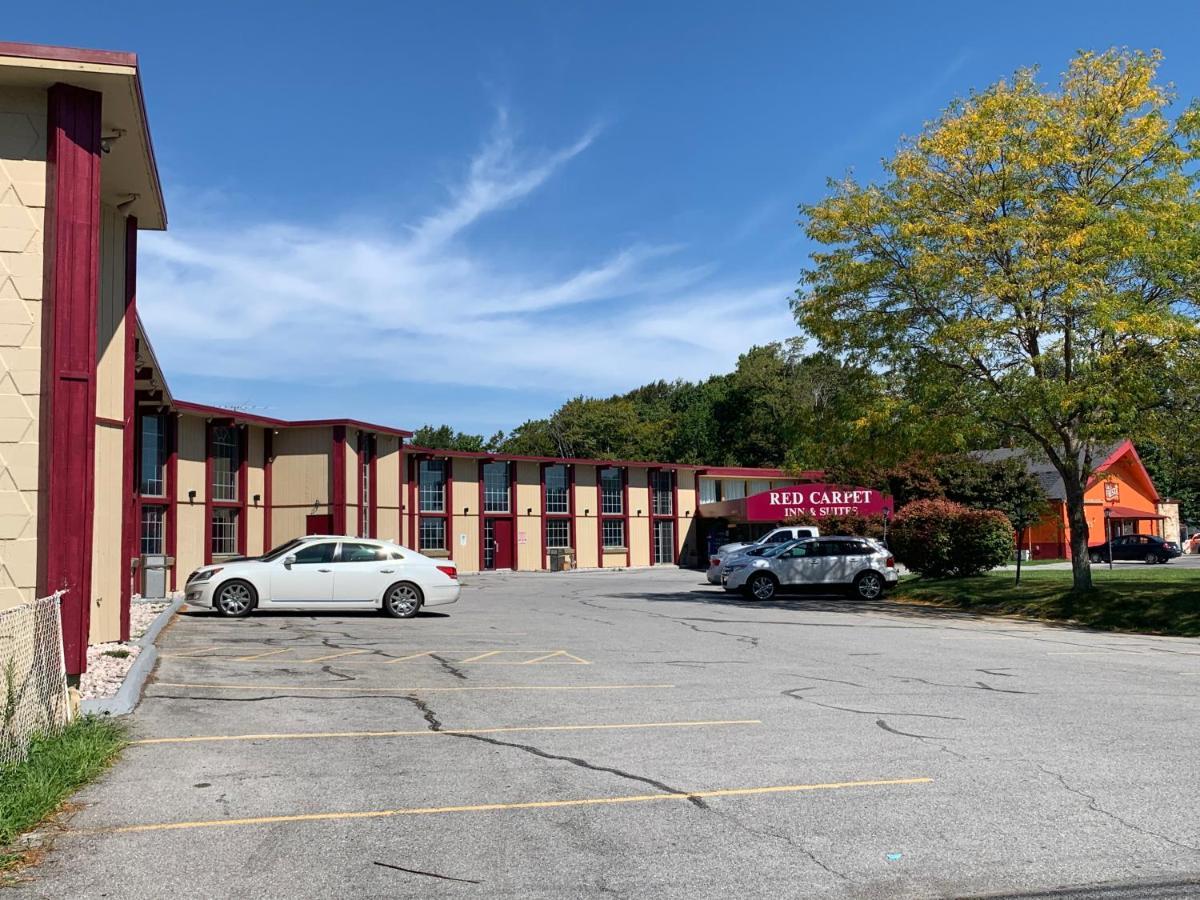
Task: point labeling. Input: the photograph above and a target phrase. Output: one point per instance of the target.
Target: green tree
(443, 437)
(1031, 258)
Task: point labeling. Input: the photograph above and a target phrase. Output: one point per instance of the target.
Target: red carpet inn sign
(818, 500)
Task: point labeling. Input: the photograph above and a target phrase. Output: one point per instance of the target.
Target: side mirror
(289, 561)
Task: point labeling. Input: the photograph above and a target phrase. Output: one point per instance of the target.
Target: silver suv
(774, 536)
(863, 566)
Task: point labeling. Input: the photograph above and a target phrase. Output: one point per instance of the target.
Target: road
(639, 734)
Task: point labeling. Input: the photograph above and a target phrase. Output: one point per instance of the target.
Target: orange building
(1120, 491)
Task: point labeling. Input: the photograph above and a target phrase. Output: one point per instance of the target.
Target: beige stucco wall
(190, 525)
(685, 534)
(465, 496)
(638, 538)
(107, 568)
(350, 477)
(529, 527)
(387, 496)
(22, 204)
(255, 483)
(586, 506)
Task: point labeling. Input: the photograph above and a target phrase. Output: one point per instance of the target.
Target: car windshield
(282, 549)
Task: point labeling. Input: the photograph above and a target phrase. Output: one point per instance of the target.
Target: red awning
(1128, 512)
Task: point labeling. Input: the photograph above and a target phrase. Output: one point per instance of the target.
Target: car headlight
(198, 577)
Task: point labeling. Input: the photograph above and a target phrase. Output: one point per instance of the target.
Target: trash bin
(561, 559)
(154, 576)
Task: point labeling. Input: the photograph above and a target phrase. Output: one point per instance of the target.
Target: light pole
(1108, 533)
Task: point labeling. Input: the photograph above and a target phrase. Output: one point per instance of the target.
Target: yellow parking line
(410, 656)
(425, 732)
(261, 655)
(192, 652)
(335, 655)
(299, 688)
(543, 658)
(493, 807)
(481, 656)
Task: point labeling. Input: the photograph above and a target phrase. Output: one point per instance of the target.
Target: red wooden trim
(514, 512)
(677, 548)
(358, 485)
(482, 530)
(202, 409)
(414, 468)
(544, 517)
(243, 526)
(66, 426)
(130, 514)
(208, 493)
(625, 506)
(374, 499)
(337, 485)
(448, 505)
(650, 511)
(111, 423)
(268, 462)
(571, 510)
(68, 54)
(172, 491)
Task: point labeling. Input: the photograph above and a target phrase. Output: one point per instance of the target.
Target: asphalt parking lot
(639, 734)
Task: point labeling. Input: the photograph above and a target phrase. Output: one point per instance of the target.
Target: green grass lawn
(56, 767)
(1153, 599)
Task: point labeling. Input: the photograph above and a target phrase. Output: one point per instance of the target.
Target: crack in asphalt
(448, 666)
(426, 874)
(1094, 806)
(830, 680)
(866, 712)
(688, 621)
(264, 697)
(791, 842)
(330, 670)
(977, 686)
(923, 738)
(435, 725)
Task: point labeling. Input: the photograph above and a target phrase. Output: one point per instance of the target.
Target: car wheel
(402, 600)
(1096, 557)
(761, 587)
(1151, 558)
(235, 599)
(868, 586)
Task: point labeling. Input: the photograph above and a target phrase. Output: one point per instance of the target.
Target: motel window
(366, 451)
(224, 531)
(495, 487)
(557, 493)
(153, 529)
(432, 488)
(152, 480)
(758, 486)
(662, 485)
(708, 490)
(558, 533)
(612, 497)
(614, 534)
(226, 458)
(433, 534)
(733, 490)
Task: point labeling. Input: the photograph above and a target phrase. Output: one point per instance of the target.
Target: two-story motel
(102, 468)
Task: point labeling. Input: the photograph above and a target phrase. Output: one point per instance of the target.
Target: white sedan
(326, 572)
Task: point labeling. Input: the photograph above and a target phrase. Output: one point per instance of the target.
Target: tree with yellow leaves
(1032, 259)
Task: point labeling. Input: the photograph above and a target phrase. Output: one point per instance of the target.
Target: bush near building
(939, 538)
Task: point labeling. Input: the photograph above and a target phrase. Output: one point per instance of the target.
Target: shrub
(853, 524)
(938, 538)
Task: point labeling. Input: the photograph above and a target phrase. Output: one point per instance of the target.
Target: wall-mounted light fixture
(257, 497)
(639, 512)
(466, 510)
(191, 496)
(529, 510)
(107, 140)
(587, 512)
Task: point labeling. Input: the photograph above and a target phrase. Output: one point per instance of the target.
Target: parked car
(754, 551)
(774, 536)
(326, 572)
(860, 565)
(1148, 548)
(1193, 543)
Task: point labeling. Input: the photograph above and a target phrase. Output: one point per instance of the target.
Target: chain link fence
(33, 679)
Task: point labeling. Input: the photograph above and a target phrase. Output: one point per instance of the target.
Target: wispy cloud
(372, 306)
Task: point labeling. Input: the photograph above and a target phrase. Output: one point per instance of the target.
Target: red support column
(129, 488)
(373, 516)
(67, 415)
(625, 506)
(268, 461)
(337, 485)
(243, 490)
(172, 488)
(208, 492)
(449, 506)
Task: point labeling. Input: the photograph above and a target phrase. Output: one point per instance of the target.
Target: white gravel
(105, 673)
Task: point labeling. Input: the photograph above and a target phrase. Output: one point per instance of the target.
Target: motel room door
(318, 524)
(497, 543)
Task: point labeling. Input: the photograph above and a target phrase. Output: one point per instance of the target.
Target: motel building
(109, 484)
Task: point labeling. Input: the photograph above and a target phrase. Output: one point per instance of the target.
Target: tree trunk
(1020, 540)
(1081, 566)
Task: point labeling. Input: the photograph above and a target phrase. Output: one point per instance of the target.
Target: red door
(500, 531)
(318, 524)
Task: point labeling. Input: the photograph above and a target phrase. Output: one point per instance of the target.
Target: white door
(362, 573)
(309, 577)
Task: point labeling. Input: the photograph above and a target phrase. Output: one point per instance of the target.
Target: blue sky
(469, 212)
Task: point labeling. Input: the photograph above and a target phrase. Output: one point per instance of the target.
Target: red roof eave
(252, 419)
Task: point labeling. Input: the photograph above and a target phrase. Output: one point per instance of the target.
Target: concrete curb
(125, 699)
